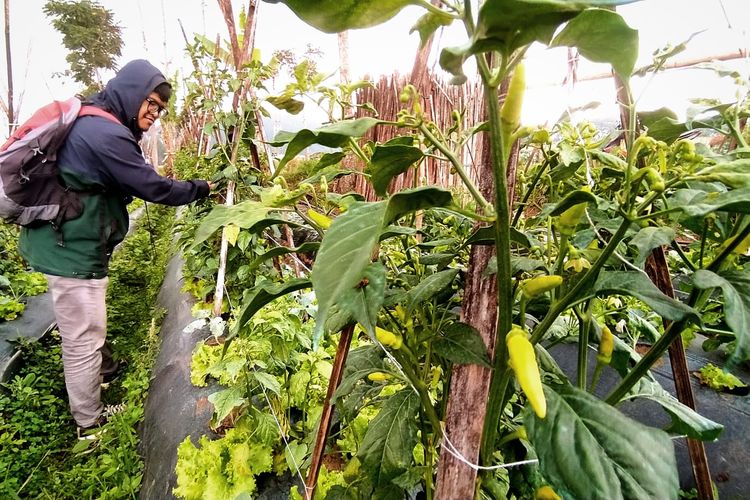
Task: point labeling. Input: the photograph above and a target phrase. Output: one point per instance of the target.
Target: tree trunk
(11, 113)
(470, 384)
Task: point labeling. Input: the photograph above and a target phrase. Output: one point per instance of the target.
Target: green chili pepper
(320, 219)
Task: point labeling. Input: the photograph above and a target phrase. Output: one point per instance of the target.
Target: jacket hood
(124, 94)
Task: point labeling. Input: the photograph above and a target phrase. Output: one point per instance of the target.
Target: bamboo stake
(238, 57)
(325, 418)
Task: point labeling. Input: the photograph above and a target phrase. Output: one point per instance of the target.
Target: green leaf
(574, 198)
(735, 285)
(386, 450)
(461, 343)
(286, 103)
(662, 124)
(295, 455)
(263, 294)
(429, 287)
(429, 23)
(268, 381)
(298, 383)
(411, 200)
(700, 203)
(225, 401)
(638, 285)
(344, 254)
(486, 236)
(244, 215)
(649, 238)
(335, 135)
(310, 246)
(602, 36)
(389, 161)
(734, 174)
(360, 363)
(512, 24)
(591, 450)
(364, 302)
(685, 420)
(333, 16)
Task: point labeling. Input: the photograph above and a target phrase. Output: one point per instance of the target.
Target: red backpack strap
(94, 111)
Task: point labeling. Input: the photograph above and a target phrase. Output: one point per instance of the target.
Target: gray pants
(81, 314)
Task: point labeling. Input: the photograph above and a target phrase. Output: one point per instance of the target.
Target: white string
(446, 443)
(308, 496)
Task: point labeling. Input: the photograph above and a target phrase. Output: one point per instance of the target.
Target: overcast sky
(151, 30)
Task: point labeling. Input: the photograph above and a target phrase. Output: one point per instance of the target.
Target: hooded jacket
(103, 161)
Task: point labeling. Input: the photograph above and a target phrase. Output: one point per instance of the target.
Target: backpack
(30, 187)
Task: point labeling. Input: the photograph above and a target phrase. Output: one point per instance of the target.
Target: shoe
(108, 378)
(92, 432)
(96, 430)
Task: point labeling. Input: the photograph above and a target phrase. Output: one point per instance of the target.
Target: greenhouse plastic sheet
(37, 319)
(728, 456)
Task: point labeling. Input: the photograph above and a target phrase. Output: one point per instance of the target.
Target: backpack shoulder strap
(94, 111)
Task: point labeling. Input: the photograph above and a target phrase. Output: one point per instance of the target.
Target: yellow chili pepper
(538, 285)
(388, 338)
(606, 346)
(510, 113)
(546, 493)
(523, 362)
(378, 376)
(322, 220)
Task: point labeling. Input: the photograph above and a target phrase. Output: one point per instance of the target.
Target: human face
(152, 109)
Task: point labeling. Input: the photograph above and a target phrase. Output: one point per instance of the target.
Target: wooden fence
(440, 101)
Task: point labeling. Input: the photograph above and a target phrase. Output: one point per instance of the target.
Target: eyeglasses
(155, 108)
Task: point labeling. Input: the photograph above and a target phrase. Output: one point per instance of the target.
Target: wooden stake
(325, 418)
(658, 270)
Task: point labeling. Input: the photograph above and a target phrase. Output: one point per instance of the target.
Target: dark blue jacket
(102, 159)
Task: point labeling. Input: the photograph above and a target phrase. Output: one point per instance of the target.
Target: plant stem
(500, 375)
(584, 329)
(675, 329)
(528, 193)
(580, 288)
(458, 166)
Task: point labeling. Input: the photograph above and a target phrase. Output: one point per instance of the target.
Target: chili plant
(559, 274)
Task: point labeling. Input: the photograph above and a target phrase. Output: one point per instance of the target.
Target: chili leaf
(389, 161)
(244, 215)
(592, 32)
(591, 450)
(333, 16)
(735, 285)
(386, 450)
(638, 285)
(461, 343)
(263, 294)
(343, 256)
(649, 238)
(685, 420)
(332, 136)
(430, 286)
